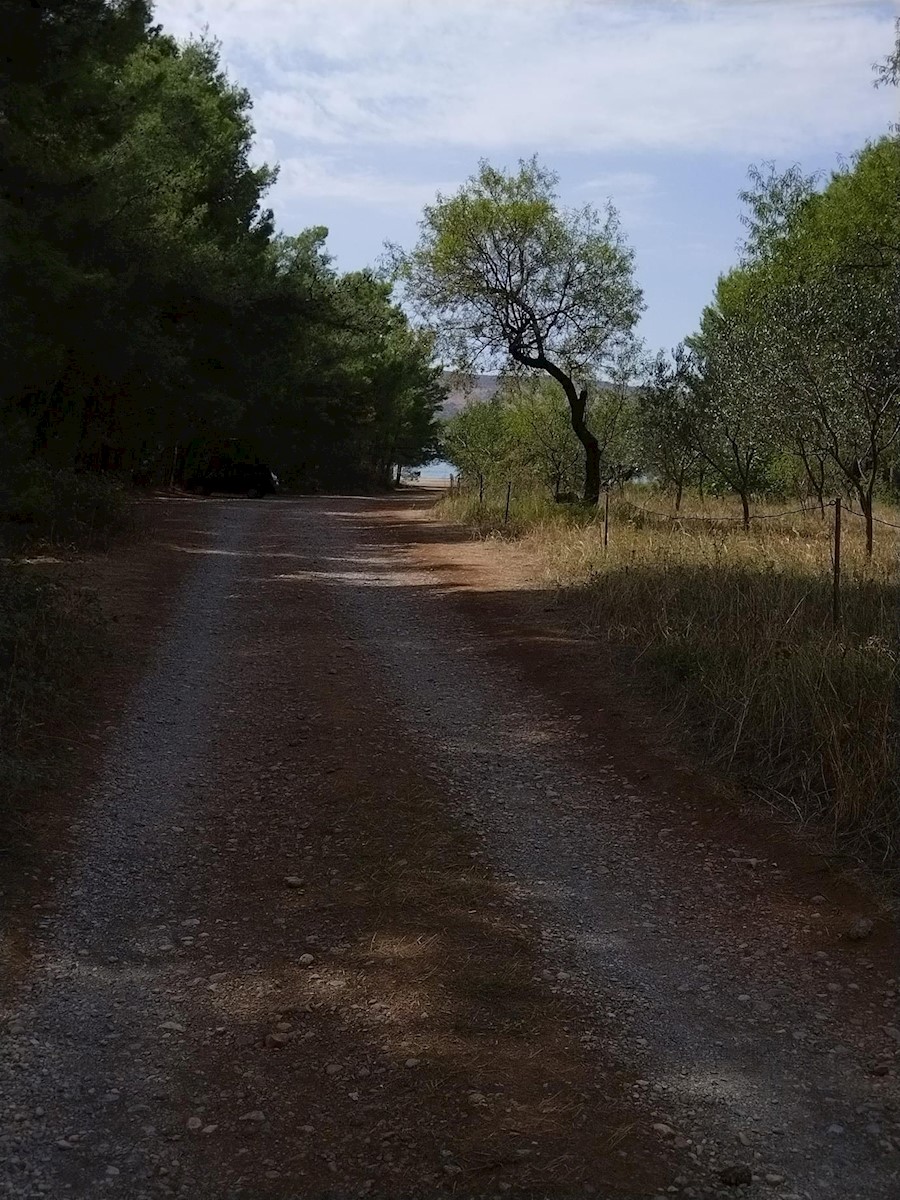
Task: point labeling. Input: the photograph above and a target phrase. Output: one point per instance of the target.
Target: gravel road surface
(357, 905)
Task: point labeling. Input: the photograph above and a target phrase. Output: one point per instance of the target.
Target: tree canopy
(148, 305)
(791, 383)
(504, 274)
(150, 310)
(801, 349)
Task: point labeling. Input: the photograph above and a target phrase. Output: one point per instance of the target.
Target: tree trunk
(399, 470)
(591, 449)
(865, 503)
(577, 406)
(591, 469)
(815, 479)
(679, 487)
(745, 505)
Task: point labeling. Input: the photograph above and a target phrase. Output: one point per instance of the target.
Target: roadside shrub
(48, 632)
(41, 504)
(529, 511)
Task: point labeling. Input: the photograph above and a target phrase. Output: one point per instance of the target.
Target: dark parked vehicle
(237, 479)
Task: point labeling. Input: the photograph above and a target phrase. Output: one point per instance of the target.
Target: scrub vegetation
(734, 630)
(726, 478)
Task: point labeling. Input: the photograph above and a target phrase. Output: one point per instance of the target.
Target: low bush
(48, 633)
(41, 504)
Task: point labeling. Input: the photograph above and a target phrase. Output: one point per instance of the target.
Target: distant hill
(483, 387)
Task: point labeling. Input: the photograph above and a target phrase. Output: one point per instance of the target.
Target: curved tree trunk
(577, 407)
(591, 450)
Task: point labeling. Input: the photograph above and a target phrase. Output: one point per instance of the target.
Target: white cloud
(631, 192)
(321, 177)
(590, 76)
(635, 183)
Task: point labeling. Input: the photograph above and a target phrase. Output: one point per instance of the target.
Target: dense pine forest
(151, 313)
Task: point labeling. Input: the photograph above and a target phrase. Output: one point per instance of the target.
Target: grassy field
(737, 629)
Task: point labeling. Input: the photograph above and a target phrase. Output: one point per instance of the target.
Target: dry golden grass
(737, 627)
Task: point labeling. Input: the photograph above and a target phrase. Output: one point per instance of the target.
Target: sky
(371, 107)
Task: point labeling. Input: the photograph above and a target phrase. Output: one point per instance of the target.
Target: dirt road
(372, 893)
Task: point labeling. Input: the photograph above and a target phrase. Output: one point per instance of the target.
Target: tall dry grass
(736, 628)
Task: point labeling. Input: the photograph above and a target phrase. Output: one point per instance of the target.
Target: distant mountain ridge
(482, 388)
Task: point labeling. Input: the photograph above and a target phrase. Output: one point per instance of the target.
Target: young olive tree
(822, 302)
(668, 448)
(505, 274)
(729, 416)
(537, 416)
(613, 415)
(477, 441)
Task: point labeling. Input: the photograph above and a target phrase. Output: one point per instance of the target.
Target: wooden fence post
(508, 494)
(836, 587)
(606, 520)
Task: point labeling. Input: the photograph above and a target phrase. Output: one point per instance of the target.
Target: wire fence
(878, 520)
(837, 505)
(715, 520)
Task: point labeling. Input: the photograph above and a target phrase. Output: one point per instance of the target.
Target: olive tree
(668, 447)
(477, 441)
(818, 310)
(538, 419)
(505, 274)
(728, 411)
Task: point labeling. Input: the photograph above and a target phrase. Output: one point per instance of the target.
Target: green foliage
(48, 633)
(502, 272)
(524, 435)
(478, 441)
(147, 303)
(791, 386)
(351, 390)
(801, 351)
(545, 448)
(667, 446)
(511, 274)
(43, 504)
